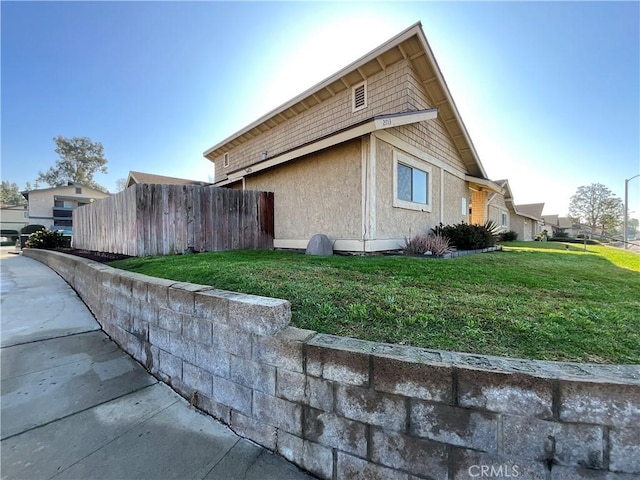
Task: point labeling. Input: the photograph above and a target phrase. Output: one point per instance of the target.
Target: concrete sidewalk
(74, 405)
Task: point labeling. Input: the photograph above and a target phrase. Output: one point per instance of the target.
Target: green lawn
(533, 300)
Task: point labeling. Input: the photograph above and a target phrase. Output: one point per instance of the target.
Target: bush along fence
(148, 219)
(349, 409)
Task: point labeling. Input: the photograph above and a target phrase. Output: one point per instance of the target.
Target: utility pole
(626, 207)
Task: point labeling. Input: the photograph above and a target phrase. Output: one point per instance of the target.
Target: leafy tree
(596, 206)
(10, 194)
(80, 159)
(121, 184)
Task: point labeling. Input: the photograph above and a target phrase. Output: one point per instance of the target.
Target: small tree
(10, 194)
(121, 184)
(80, 159)
(596, 206)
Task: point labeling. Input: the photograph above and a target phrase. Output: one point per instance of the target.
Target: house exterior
(526, 220)
(53, 207)
(373, 154)
(497, 209)
(151, 178)
(556, 224)
(14, 217)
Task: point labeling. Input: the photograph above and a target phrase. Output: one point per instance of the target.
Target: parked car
(8, 237)
(26, 231)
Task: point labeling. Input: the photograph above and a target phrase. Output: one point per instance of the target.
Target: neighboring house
(373, 154)
(497, 209)
(140, 177)
(525, 220)
(555, 224)
(14, 217)
(53, 207)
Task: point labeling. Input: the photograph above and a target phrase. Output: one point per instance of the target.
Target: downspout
(364, 185)
(442, 172)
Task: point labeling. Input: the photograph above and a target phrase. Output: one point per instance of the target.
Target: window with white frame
(411, 183)
(504, 220)
(225, 161)
(359, 97)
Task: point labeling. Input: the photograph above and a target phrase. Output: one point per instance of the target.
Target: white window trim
(225, 160)
(353, 97)
(399, 157)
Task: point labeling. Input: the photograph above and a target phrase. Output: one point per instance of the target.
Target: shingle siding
(388, 92)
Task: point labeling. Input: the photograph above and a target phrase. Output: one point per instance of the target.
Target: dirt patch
(102, 257)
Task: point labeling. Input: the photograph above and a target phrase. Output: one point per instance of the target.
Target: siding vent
(359, 96)
(226, 159)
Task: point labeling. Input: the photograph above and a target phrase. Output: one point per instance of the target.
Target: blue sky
(549, 91)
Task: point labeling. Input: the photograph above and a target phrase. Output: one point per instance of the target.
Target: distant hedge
(573, 240)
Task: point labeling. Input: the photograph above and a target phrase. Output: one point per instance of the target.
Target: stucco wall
(523, 227)
(386, 93)
(320, 193)
(349, 409)
(14, 217)
(396, 222)
(41, 202)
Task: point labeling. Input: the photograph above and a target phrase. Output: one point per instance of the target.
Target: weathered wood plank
(147, 220)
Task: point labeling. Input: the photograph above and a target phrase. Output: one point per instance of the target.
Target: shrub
(416, 246)
(423, 244)
(574, 240)
(45, 239)
(560, 234)
(492, 227)
(509, 236)
(467, 237)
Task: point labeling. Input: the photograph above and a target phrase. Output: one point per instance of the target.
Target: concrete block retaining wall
(347, 409)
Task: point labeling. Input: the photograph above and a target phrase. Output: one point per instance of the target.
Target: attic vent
(359, 96)
(226, 159)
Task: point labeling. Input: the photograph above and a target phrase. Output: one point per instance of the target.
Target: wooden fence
(147, 219)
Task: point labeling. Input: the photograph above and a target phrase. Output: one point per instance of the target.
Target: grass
(533, 300)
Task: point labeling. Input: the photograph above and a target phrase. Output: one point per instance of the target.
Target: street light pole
(626, 207)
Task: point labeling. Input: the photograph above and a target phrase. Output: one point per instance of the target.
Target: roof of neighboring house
(558, 221)
(532, 210)
(565, 222)
(26, 193)
(141, 177)
(8, 206)
(410, 44)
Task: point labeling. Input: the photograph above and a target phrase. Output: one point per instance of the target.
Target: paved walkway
(74, 405)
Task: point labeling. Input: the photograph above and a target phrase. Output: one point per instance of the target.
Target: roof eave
(484, 184)
(454, 108)
(379, 122)
(414, 29)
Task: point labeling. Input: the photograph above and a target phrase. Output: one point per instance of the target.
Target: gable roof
(26, 193)
(141, 177)
(532, 210)
(410, 44)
